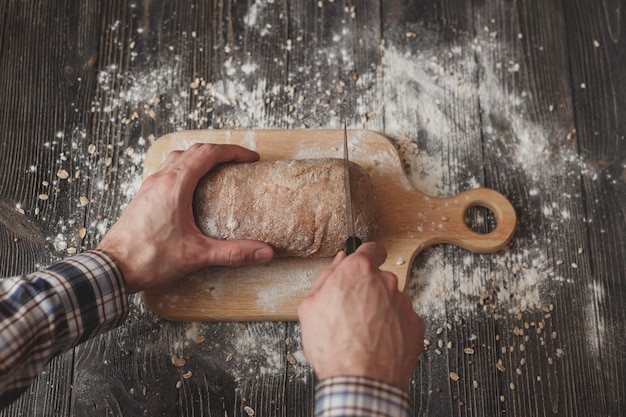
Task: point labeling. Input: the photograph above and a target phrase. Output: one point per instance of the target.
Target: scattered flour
(595, 324)
(416, 90)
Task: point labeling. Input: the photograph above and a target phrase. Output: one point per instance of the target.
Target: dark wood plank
(532, 131)
(41, 63)
(597, 60)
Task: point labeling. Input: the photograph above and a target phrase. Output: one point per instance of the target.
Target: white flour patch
(257, 352)
(504, 282)
(595, 324)
(297, 283)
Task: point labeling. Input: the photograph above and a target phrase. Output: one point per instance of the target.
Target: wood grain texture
(597, 59)
(522, 97)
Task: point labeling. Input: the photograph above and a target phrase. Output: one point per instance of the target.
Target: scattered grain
(177, 360)
(292, 359)
(454, 376)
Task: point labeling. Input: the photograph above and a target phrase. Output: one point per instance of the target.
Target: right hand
(355, 322)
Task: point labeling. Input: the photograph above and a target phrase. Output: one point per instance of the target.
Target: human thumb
(237, 252)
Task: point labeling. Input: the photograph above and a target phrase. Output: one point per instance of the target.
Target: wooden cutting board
(409, 222)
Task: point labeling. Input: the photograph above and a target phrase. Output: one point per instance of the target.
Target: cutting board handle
(460, 234)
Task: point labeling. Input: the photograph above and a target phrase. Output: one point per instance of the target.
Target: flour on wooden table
(416, 88)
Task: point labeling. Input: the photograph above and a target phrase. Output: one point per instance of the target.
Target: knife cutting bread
(297, 206)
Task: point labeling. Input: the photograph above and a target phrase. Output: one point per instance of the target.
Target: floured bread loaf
(297, 206)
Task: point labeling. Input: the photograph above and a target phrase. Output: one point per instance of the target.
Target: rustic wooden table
(525, 97)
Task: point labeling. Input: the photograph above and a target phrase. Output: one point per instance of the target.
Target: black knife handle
(352, 244)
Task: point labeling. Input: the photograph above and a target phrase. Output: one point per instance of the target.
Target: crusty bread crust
(297, 206)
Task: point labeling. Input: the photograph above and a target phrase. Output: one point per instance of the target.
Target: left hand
(156, 241)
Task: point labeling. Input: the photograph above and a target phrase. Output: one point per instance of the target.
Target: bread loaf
(297, 206)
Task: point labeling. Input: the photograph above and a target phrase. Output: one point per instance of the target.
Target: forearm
(358, 396)
(48, 312)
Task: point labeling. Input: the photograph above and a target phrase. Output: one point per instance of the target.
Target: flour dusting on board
(298, 282)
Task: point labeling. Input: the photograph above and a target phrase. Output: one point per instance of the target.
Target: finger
(172, 157)
(321, 279)
(390, 280)
(235, 252)
(375, 252)
(200, 158)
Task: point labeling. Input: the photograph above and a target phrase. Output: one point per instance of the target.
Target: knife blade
(353, 241)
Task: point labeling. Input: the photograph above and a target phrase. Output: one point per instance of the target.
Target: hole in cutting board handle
(480, 219)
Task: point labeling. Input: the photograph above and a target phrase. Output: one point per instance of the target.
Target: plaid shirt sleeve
(351, 396)
(46, 313)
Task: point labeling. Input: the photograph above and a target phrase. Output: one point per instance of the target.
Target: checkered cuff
(50, 311)
(351, 396)
(93, 292)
